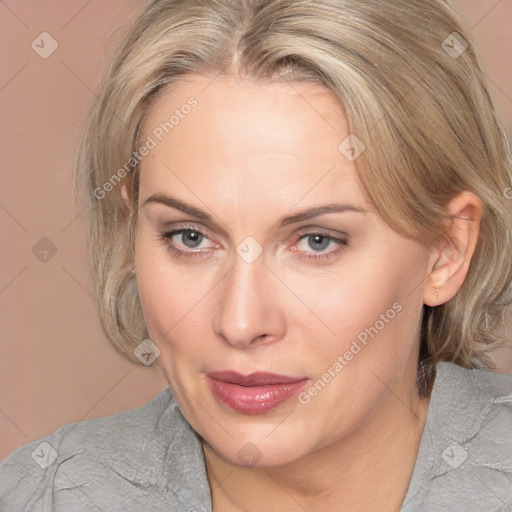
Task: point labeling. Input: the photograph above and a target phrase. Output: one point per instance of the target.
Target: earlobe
(453, 257)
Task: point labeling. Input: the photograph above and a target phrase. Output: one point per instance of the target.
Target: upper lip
(253, 379)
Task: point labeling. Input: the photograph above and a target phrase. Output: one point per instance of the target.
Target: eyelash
(308, 257)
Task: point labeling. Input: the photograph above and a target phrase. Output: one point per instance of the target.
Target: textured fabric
(149, 459)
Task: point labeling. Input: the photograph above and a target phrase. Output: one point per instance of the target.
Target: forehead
(246, 141)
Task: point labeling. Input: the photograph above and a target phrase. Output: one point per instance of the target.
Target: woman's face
(268, 259)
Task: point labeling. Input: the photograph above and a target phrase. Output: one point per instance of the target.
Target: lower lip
(254, 399)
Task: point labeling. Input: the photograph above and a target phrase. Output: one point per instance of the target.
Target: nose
(248, 313)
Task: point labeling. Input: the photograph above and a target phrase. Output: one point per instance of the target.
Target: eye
(189, 238)
(310, 244)
(183, 241)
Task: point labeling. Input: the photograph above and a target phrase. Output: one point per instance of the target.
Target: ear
(124, 194)
(450, 260)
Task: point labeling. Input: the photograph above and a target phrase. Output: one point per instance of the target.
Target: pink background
(57, 366)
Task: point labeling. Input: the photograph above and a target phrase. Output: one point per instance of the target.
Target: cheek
(365, 342)
(346, 302)
(168, 289)
(365, 313)
(168, 293)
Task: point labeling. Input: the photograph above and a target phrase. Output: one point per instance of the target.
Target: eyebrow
(303, 215)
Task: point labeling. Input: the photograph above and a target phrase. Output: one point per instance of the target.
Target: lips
(254, 393)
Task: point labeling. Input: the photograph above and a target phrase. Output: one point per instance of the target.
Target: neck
(368, 470)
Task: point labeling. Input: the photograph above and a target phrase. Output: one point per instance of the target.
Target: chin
(261, 450)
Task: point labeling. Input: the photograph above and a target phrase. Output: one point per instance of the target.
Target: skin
(248, 155)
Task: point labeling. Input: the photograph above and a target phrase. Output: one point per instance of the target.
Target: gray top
(150, 459)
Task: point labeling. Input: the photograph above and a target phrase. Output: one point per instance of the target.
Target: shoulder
(484, 382)
(93, 464)
(465, 456)
(474, 401)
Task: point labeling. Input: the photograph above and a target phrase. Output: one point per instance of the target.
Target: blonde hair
(410, 90)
